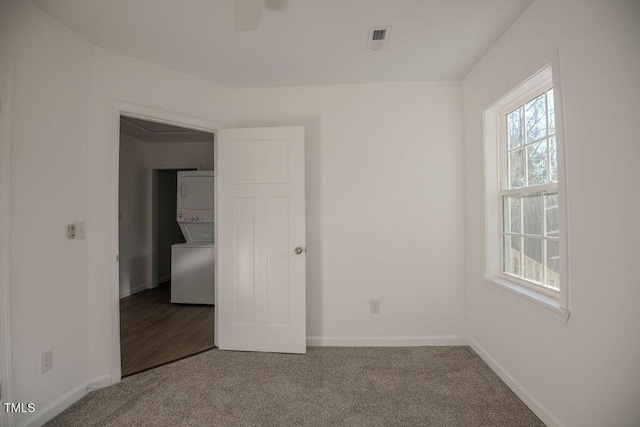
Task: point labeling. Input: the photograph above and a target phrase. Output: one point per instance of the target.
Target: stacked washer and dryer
(192, 263)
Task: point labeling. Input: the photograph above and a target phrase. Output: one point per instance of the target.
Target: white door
(260, 301)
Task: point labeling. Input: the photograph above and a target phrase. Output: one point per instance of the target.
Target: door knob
(298, 250)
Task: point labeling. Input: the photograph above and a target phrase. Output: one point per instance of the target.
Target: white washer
(192, 273)
(192, 263)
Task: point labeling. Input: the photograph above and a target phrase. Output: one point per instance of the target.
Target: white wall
(119, 78)
(48, 186)
(585, 372)
(167, 154)
(133, 216)
(383, 203)
(5, 336)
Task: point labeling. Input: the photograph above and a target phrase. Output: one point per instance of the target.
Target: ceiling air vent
(378, 38)
(378, 34)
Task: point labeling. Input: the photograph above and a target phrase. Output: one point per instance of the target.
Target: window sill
(536, 300)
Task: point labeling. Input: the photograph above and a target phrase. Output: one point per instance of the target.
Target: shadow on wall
(135, 278)
(168, 231)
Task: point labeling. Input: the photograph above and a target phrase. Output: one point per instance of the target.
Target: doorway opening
(159, 245)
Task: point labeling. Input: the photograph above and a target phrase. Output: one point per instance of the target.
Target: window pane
(512, 214)
(532, 215)
(553, 229)
(512, 255)
(516, 168)
(552, 112)
(553, 156)
(514, 128)
(537, 163)
(532, 260)
(553, 264)
(535, 114)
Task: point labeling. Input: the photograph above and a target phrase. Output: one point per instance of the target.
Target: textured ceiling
(299, 42)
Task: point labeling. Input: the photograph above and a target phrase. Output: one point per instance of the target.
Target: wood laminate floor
(154, 332)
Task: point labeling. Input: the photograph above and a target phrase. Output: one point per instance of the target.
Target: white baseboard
(538, 408)
(99, 382)
(129, 292)
(47, 413)
(401, 341)
(164, 279)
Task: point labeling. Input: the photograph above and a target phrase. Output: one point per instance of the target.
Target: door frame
(118, 109)
(6, 86)
(152, 279)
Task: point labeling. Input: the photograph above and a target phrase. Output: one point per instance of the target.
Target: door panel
(278, 244)
(260, 223)
(261, 162)
(244, 272)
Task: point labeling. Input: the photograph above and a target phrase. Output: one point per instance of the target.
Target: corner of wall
(529, 399)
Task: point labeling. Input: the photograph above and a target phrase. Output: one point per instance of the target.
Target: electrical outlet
(375, 306)
(46, 361)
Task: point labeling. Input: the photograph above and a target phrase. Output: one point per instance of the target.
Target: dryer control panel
(194, 216)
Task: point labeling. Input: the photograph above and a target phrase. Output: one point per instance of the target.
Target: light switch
(71, 231)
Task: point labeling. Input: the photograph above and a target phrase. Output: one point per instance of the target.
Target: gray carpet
(425, 386)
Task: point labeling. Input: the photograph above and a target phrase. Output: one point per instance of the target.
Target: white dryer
(192, 263)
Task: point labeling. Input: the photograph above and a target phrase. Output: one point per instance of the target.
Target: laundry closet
(166, 243)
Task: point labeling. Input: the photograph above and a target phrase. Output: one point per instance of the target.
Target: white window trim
(554, 304)
(536, 86)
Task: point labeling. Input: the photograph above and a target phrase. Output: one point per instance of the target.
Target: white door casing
(260, 223)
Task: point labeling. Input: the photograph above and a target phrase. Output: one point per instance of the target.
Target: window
(526, 230)
(529, 192)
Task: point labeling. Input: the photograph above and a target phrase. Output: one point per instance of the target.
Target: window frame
(522, 99)
(549, 301)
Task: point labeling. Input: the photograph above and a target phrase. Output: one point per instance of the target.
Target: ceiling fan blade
(247, 14)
